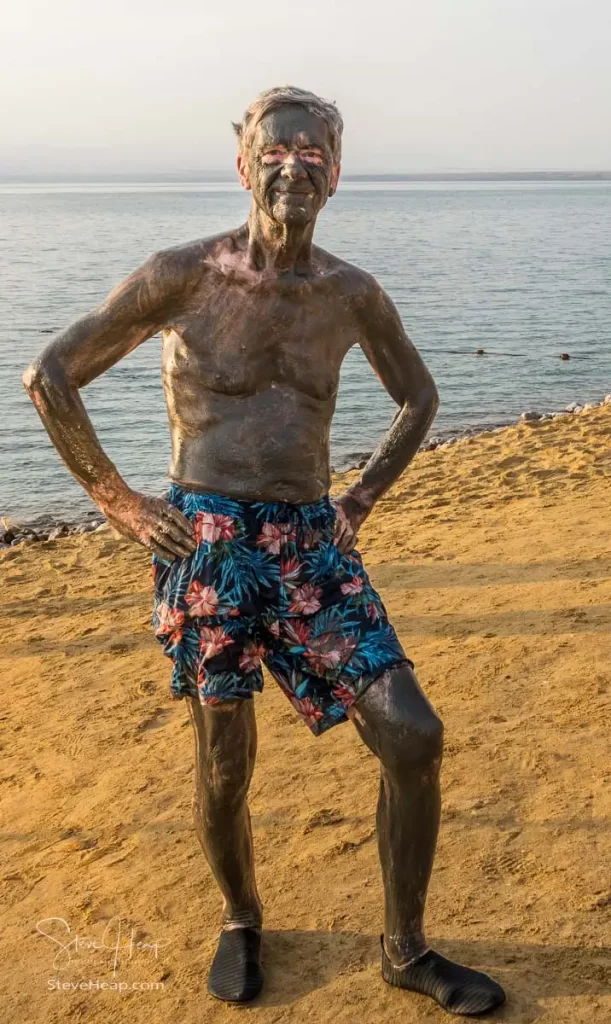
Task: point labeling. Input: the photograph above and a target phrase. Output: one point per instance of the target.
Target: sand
(493, 557)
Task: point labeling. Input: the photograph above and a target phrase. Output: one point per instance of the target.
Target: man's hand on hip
(350, 517)
(152, 522)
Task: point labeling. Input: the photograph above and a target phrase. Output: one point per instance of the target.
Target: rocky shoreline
(453, 436)
(14, 532)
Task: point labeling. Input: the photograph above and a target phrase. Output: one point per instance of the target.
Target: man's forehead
(292, 123)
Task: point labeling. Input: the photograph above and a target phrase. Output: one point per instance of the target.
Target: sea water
(521, 270)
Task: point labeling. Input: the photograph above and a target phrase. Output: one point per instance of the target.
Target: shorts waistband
(189, 501)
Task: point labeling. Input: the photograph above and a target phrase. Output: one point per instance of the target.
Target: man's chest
(248, 343)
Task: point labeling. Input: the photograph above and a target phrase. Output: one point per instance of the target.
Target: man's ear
(242, 167)
(334, 179)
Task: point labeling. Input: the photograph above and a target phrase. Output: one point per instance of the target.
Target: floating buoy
(565, 355)
(480, 351)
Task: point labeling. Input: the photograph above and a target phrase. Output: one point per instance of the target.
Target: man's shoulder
(353, 280)
(188, 260)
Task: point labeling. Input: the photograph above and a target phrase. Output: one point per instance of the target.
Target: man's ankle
(251, 918)
(404, 952)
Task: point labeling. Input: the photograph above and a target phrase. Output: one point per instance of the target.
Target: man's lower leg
(396, 721)
(225, 744)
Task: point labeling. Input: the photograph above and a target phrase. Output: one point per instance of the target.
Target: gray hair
(280, 96)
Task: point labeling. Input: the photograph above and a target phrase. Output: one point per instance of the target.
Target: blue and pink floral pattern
(267, 585)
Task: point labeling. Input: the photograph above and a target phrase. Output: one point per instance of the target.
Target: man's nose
(292, 167)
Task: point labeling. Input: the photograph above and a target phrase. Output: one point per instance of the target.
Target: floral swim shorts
(267, 584)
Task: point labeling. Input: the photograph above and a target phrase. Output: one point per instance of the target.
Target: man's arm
(133, 312)
(401, 370)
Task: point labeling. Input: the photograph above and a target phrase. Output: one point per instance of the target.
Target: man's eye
(313, 155)
(273, 154)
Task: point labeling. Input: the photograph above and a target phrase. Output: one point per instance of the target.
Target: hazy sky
(128, 85)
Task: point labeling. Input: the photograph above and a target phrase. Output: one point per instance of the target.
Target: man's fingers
(182, 522)
(180, 531)
(346, 539)
(340, 529)
(175, 547)
(161, 551)
(348, 542)
(170, 531)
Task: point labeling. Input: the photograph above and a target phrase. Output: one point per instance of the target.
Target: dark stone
(58, 531)
(565, 355)
(89, 527)
(480, 351)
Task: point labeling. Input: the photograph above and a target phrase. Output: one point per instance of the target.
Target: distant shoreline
(208, 177)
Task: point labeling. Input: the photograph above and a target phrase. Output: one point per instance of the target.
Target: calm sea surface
(522, 270)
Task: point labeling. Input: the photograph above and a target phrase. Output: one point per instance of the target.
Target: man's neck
(278, 247)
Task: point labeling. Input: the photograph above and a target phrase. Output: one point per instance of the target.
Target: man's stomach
(269, 446)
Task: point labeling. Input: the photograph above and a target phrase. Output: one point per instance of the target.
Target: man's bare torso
(255, 324)
(251, 368)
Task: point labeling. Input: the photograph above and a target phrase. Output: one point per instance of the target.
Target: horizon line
(222, 176)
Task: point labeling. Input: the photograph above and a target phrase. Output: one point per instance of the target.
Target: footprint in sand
(119, 647)
(104, 911)
(159, 718)
(325, 816)
(507, 862)
(115, 852)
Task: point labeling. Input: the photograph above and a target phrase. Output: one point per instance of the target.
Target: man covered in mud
(253, 563)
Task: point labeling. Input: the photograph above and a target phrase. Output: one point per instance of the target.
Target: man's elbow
(33, 378)
(42, 375)
(428, 401)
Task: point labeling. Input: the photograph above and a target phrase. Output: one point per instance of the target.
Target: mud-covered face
(289, 165)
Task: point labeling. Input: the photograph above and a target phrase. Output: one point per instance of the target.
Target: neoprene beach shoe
(457, 989)
(235, 974)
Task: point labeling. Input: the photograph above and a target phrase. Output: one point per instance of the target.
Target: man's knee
(222, 779)
(226, 750)
(429, 739)
(412, 743)
(398, 723)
